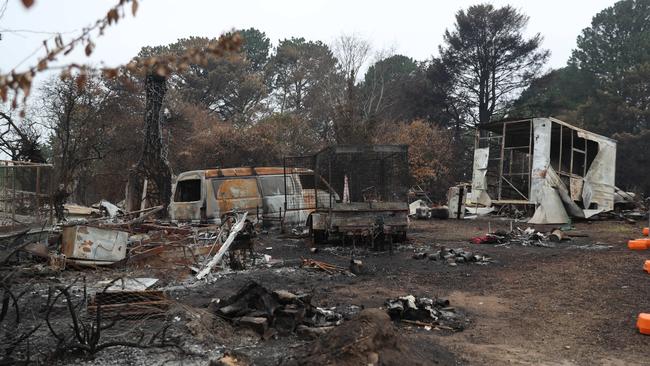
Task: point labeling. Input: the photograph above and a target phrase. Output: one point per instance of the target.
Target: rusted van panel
(236, 194)
(203, 196)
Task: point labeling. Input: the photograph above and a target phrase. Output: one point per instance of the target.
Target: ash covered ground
(575, 303)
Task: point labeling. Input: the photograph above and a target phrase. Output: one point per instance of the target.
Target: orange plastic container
(638, 244)
(643, 323)
(646, 266)
(646, 231)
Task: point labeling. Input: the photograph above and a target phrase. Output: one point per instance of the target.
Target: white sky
(412, 28)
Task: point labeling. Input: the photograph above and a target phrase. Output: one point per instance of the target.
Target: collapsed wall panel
(479, 181)
(599, 182)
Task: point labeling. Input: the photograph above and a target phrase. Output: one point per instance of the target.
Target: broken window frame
(179, 190)
(505, 178)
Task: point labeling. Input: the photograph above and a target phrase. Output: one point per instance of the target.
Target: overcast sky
(412, 28)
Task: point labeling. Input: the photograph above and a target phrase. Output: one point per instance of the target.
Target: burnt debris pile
(427, 312)
(275, 312)
(452, 257)
(524, 237)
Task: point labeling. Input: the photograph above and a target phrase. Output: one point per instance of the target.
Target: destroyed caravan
(206, 195)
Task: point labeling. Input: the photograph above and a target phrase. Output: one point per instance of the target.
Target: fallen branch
(323, 266)
(234, 230)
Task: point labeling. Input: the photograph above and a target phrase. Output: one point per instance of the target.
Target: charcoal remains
(275, 312)
(452, 256)
(424, 311)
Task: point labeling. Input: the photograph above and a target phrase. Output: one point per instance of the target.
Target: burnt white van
(273, 194)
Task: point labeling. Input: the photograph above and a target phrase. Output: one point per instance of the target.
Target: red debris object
(487, 239)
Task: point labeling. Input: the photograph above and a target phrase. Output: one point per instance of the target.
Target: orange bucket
(638, 244)
(646, 231)
(643, 323)
(646, 266)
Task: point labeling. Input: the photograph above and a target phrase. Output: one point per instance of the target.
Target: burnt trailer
(367, 199)
(557, 169)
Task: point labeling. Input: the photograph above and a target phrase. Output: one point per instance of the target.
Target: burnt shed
(561, 169)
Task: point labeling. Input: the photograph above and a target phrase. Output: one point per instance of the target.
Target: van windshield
(188, 190)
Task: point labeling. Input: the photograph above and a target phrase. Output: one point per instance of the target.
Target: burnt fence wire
(25, 193)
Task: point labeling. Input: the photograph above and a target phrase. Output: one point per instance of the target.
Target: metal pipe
(284, 175)
(38, 191)
(329, 168)
(571, 164)
(13, 201)
(529, 170)
(503, 143)
(316, 180)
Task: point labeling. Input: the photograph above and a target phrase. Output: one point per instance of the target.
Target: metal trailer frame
(362, 219)
(514, 158)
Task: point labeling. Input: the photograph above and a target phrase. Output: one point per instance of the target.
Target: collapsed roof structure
(561, 169)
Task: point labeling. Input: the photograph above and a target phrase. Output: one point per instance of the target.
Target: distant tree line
(267, 101)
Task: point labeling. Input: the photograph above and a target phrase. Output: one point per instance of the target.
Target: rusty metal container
(92, 245)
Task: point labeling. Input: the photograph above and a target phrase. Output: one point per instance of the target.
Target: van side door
(239, 194)
(273, 193)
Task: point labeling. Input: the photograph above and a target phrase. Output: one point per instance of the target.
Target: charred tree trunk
(153, 165)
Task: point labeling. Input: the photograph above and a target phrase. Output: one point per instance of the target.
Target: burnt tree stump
(153, 164)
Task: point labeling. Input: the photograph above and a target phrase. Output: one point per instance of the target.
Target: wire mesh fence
(360, 173)
(299, 179)
(25, 193)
